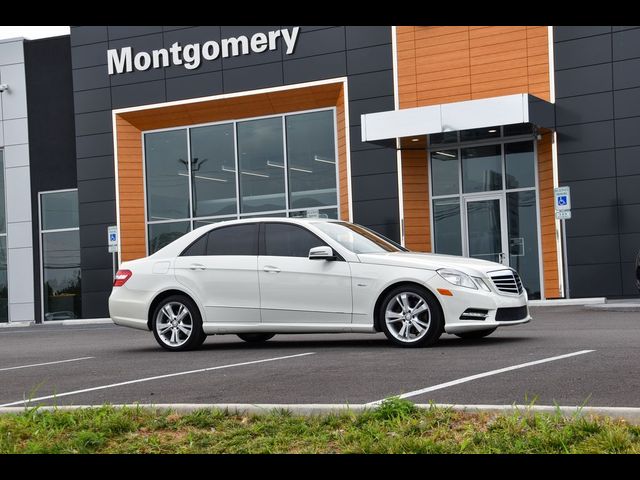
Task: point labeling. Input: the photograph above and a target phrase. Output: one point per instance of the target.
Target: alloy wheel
(174, 324)
(407, 317)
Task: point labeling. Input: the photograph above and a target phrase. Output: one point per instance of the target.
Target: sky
(32, 33)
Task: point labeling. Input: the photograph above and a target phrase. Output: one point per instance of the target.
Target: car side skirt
(237, 327)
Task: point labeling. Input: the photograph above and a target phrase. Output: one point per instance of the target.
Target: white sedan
(259, 277)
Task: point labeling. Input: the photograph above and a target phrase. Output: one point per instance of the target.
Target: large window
(4, 294)
(60, 244)
(277, 166)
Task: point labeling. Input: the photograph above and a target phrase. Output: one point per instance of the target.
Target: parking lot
(565, 356)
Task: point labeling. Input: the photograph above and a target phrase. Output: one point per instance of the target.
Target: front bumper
(463, 298)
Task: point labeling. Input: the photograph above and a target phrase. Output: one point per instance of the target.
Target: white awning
(446, 117)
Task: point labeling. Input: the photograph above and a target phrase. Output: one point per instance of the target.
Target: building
(447, 139)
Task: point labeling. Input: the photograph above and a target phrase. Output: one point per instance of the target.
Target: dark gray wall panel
(92, 100)
(251, 78)
(593, 249)
(628, 161)
(89, 34)
(131, 31)
(582, 52)
(585, 137)
(138, 44)
(372, 162)
(628, 273)
(193, 35)
(626, 44)
(96, 190)
(318, 42)
(97, 212)
(629, 190)
(94, 235)
(89, 55)
(581, 81)
(90, 78)
(389, 230)
(627, 102)
(375, 212)
(628, 216)
(138, 94)
(600, 192)
(586, 165)
(621, 28)
(562, 33)
(355, 138)
(309, 28)
(592, 221)
(94, 145)
(96, 257)
(95, 304)
(629, 247)
(95, 167)
(267, 56)
(192, 86)
(627, 132)
(367, 36)
(368, 85)
(370, 59)
(94, 122)
(169, 28)
(626, 74)
(582, 280)
(93, 280)
(369, 105)
(374, 187)
(585, 108)
(314, 68)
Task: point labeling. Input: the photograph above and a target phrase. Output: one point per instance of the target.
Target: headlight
(457, 278)
(482, 284)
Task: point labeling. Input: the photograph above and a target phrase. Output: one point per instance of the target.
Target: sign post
(562, 204)
(112, 241)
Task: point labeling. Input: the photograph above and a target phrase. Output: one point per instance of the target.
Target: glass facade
(484, 203)
(60, 244)
(284, 165)
(4, 291)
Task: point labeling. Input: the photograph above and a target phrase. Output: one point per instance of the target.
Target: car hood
(430, 261)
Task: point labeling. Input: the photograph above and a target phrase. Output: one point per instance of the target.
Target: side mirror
(322, 253)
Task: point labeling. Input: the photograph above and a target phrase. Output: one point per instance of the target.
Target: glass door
(485, 237)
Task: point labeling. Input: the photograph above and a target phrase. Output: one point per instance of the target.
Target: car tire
(256, 337)
(410, 316)
(177, 324)
(476, 333)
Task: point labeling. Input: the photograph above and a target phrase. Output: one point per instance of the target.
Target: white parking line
(148, 379)
(482, 375)
(46, 363)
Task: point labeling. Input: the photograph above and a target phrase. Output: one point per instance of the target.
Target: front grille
(511, 314)
(507, 281)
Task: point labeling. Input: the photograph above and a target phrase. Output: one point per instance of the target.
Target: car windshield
(358, 239)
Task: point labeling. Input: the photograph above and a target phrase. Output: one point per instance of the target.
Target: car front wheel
(410, 317)
(177, 324)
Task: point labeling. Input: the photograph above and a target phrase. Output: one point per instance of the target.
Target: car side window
(199, 247)
(234, 240)
(286, 240)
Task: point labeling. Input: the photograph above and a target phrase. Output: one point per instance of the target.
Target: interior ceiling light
(493, 130)
(415, 139)
(446, 154)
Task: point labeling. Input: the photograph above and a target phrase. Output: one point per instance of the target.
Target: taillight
(121, 277)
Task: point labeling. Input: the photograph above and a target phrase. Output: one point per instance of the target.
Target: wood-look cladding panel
(130, 125)
(415, 181)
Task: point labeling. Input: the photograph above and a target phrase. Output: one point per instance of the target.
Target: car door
(294, 289)
(221, 269)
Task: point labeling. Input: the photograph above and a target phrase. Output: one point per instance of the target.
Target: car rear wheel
(476, 333)
(410, 317)
(256, 337)
(177, 324)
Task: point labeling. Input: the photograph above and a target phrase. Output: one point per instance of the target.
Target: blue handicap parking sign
(112, 237)
(562, 200)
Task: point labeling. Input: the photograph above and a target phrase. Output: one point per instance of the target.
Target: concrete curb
(630, 414)
(612, 307)
(567, 302)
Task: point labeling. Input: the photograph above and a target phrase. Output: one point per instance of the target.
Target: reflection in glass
(59, 210)
(481, 168)
(311, 156)
(485, 233)
(209, 221)
(167, 175)
(520, 165)
(315, 213)
(479, 134)
(4, 294)
(257, 215)
(261, 161)
(444, 169)
(3, 220)
(446, 226)
(444, 137)
(61, 275)
(213, 169)
(518, 129)
(162, 234)
(523, 239)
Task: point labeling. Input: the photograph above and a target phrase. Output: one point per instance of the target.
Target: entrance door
(486, 235)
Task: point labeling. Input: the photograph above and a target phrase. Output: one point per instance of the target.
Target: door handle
(271, 269)
(197, 266)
